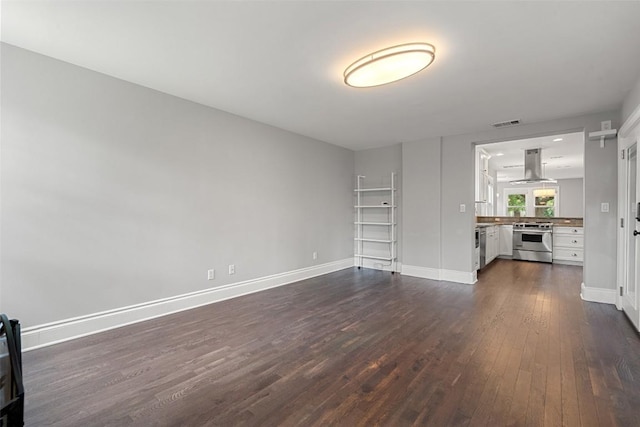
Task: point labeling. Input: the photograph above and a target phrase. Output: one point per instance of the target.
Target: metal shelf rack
(368, 217)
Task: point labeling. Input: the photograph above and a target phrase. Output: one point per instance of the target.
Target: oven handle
(533, 231)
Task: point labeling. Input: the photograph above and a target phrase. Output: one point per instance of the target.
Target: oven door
(533, 240)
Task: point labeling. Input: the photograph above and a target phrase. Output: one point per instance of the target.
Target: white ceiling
(560, 159)
(281, 63)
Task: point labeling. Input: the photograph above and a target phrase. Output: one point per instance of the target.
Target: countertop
(485, 221)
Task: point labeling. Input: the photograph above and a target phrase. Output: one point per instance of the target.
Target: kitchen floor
(357, 347)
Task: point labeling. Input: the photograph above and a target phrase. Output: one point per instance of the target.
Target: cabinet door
(492, 244)
(575, 231)
(482, 175)
(496, 243)
(506, 240)
(568, 241)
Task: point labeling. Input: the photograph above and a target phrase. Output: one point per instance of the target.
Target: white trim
(530, 207)
(628, 135)
(632, 121)
(601, 295)
(68, 329)
(465, 277)
(567, 262)
(422, 272)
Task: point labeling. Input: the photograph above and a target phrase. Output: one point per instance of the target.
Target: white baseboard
(601, 295)
(68, 329)
(422, 272)
(568, 262)
(440, 274)
(467, 277)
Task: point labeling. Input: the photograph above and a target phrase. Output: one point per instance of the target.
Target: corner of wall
(600, 295)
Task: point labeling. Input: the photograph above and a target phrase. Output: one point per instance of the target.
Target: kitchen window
(540, 202)
(517, 204)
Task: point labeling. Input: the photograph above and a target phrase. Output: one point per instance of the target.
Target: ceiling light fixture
(557, 140)
(389, 65)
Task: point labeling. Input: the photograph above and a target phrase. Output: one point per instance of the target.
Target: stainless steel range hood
(533, 168)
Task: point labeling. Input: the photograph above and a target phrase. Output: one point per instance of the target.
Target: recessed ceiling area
(282, 62)
(562, 156)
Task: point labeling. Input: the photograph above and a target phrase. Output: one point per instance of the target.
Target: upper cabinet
(484, 184)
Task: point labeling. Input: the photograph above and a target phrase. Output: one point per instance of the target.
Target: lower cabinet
(506, 240)
(493, 244)
(568, 245)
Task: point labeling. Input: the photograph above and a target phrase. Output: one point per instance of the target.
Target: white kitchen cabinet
(493, 244)
(482, 176)
(506, 240)
(568, 245)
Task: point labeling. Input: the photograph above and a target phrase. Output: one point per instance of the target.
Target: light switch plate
(463, 207)
(604, 207)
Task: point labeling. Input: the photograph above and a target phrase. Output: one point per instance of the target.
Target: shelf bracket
(602, 135)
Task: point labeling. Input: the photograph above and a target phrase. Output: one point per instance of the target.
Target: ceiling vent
(505, 124)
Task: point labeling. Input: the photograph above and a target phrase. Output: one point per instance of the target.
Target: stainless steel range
(533, 241)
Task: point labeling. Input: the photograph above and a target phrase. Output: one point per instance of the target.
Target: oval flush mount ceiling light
(389, 65)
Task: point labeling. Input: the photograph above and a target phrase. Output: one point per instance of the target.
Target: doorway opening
(533, 183)
(500, 164)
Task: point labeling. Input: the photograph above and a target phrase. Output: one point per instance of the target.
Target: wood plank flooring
(357, 348)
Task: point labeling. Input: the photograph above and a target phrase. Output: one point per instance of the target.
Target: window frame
(530, 206)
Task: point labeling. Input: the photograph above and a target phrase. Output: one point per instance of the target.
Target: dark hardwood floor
(357, 348)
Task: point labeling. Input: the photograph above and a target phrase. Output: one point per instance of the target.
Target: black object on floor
(11, 389)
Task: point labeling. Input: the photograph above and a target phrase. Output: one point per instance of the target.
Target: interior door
(629, 296)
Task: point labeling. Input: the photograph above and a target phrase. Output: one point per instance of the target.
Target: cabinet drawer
(569, 242)
(568, 230)
(568, 254)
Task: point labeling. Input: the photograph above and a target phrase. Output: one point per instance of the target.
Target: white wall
(456, 184)
(421, 208)
(571, 197)
(571, 200)
(114, 194)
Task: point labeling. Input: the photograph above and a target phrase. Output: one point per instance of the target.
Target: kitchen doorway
(537, 185)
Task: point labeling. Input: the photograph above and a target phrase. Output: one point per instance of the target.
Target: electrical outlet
(232, 269)
(315, 255)
(211, 274)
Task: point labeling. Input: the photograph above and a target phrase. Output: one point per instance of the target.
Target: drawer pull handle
(574, 255)
(574, 241)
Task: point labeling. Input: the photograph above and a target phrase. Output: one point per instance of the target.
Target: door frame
(628, 135)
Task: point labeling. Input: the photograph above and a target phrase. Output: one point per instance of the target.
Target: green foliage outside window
(517, 205)
(545, 206)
